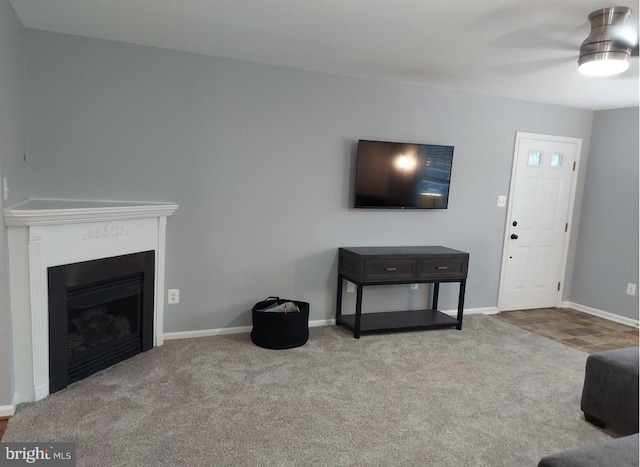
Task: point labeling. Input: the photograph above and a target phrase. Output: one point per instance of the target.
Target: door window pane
(535, 159)
(556, 160)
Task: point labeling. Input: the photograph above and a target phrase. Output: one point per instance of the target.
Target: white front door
(537, 231)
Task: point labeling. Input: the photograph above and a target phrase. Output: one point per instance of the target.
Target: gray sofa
(609, 399)
(610, 392)
(615, 452)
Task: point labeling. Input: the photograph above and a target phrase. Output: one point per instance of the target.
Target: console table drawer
(393, 269)
(442, 268)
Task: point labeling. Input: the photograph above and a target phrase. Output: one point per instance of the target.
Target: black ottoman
(617, 452)
(610, 391)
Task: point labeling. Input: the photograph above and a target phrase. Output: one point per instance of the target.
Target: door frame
(572, 198)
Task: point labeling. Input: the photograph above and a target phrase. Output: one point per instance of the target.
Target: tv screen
(402, 175)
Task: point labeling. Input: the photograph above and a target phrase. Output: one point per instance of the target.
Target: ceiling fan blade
(533, 66)
(538, 12)
(532, 39)
(583, 28)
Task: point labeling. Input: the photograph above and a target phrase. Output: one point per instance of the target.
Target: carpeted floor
(489, 395)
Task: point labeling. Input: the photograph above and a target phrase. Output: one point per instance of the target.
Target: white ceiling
(523, 49)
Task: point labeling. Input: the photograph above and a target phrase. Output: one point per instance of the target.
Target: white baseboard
(235, 330)
(489, 310)
(322, 322)
(7, 410)
(206, 332)
(601, 314)
(312, 324)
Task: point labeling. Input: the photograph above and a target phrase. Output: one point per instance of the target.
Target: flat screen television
(402, 175)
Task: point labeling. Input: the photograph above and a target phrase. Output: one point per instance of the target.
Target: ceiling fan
(610, 44)
(607, 50)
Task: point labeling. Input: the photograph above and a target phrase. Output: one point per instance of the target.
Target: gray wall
(607, 246)
(12, 148)
(260, 160)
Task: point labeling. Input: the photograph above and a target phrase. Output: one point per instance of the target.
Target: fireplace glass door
(100, 313)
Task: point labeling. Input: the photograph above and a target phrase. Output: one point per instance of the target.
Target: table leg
(436, 292)
(339, 299)
(463, 284)
(356, 331)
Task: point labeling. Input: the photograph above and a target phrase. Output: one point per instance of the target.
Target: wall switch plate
(502, 201)
(173, 296)
(414, 286)
(351, 287)
(631, 289)
(5, 188)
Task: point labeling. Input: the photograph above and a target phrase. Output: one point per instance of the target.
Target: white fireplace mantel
(43, 233)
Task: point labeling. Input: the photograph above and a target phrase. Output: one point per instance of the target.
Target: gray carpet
(489, 395)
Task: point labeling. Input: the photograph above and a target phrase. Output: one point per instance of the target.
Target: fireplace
(100, 313)
(47, 234)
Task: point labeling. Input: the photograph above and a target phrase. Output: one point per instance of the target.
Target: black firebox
(100, 313)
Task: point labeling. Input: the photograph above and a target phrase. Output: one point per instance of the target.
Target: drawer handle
(442, 268)
(390, 269)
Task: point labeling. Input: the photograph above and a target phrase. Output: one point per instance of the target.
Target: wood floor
(3, 426)
(582, 331)
(569, 327)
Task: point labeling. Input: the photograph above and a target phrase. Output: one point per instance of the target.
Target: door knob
(514, 237)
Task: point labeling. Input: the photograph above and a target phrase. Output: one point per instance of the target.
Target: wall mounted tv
(402, 175)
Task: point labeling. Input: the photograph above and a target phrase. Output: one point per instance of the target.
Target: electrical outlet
(351, 287)
(502, 201)
(631, 289)
(174, 296)
(414, 286)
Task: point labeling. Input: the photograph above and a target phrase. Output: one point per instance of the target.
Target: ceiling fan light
(606, 51)
(603, 65)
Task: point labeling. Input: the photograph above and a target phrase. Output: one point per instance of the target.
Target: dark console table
(366, 266)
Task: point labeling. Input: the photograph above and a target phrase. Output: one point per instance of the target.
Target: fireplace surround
(46, 233)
